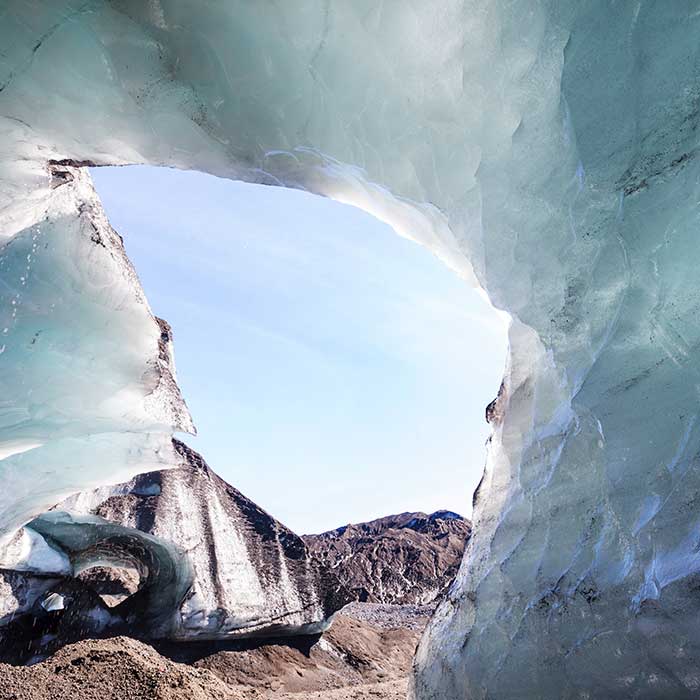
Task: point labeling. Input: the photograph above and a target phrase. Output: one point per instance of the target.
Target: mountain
(400, 559)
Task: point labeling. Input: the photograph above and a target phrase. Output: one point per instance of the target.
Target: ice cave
(544, 148)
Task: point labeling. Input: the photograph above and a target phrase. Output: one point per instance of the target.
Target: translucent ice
(86, 378)
(549, 147)
(90, 541)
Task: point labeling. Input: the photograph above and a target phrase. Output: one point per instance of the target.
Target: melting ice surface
(549, 148)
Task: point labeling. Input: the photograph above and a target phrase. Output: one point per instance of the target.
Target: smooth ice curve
(547, 148)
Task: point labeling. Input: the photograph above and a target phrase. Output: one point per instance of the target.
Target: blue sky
(336, 372)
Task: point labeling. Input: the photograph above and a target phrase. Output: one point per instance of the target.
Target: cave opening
(113, 583)
(336, 372)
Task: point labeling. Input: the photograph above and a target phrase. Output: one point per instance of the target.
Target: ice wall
(86, 379)
(547, 146)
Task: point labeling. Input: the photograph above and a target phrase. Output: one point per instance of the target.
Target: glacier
(238, 571)
(545, 150)
(175, 554)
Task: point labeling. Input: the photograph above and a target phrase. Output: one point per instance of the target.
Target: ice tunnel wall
(549, 147)
(166, 575)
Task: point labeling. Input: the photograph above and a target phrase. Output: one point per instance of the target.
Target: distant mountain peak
(408, 557)
(446, 515)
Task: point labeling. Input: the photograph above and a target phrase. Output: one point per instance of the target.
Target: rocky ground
(389, 690)
(410, 617)
(366, 655)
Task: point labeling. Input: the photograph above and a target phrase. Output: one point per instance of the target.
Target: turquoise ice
(546, 150)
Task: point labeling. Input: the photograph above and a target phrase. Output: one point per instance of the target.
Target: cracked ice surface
(550, 147)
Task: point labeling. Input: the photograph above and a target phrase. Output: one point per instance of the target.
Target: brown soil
(350, 653)
(355, 660)
(110, 669)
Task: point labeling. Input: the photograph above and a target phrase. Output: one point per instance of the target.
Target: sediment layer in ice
(210, 563)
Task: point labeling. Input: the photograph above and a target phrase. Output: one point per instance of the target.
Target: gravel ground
(392, 690)
(410, 617)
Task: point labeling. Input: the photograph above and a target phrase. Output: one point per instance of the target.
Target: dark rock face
(406, 558)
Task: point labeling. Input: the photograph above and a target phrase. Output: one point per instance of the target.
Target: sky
(335, 371)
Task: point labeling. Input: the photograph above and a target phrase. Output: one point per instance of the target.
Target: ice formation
(176, 554)
(246, 573)
(549, 147)
(86, 377)
(164, 568)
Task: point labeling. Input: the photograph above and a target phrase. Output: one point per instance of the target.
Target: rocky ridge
(410, 558)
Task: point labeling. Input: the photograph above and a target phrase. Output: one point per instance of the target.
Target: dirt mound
(110, 669)
(351, 653)
(356, 659)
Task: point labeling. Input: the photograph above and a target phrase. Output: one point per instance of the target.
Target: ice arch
(550, 144)
(164, 572)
